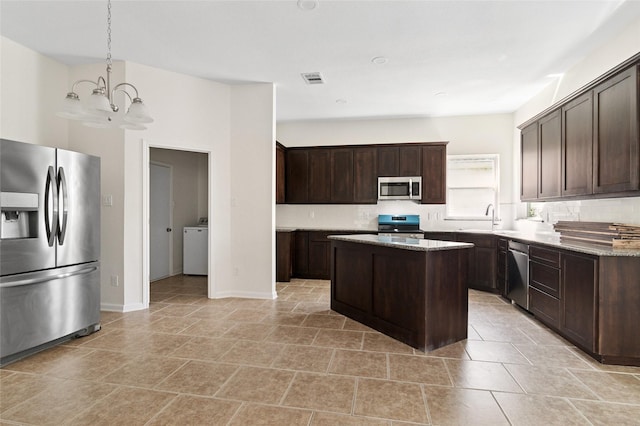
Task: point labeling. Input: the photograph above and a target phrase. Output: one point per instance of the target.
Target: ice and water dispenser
(19, 215)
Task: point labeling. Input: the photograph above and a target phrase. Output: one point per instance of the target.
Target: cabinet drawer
(544, 307)
(544, 255)
(503, 244)
(545, 278)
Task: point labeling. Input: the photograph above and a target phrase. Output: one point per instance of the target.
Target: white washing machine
(195, 250)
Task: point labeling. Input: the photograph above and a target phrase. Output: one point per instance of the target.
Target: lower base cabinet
(312, 253)
(579, 295)
(592, 301)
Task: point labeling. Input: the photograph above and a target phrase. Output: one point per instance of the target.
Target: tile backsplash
(618, 210)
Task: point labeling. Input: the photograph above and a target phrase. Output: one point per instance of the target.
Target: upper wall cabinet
(365, 178)
(529, 161)
(280, 173)
(349, 174)
(297, 176)
(403, 160)
(615, 120)
(589, 146)
(577, 146)
(434, 174)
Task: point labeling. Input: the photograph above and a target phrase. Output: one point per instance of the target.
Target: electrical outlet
(236, 272)
(114, 281)
(107, 200)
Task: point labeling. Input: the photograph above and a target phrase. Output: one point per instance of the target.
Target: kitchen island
(412, 290)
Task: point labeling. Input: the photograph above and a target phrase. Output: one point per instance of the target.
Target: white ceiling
(444, 57)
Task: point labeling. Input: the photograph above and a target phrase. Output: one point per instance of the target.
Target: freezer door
(28, 207)
(40, 307)
(78, 181)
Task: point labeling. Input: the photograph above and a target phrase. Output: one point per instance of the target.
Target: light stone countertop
(401, 242)
(551, 239)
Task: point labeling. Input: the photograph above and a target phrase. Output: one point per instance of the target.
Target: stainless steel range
(406, 225)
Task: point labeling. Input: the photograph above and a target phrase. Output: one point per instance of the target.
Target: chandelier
(100, 109)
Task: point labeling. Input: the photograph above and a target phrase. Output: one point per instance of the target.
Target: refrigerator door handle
(51, 224)
(62, 216)
(45, 278)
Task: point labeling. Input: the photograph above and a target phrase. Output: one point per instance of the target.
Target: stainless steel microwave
(400, 188)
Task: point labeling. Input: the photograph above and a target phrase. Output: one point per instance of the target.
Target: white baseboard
(246, 295)
(112, 307)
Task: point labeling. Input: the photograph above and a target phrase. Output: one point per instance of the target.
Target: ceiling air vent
(312, 77)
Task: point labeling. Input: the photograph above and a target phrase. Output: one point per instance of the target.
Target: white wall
(252, 191)
(32, 86)
(187, 179)
(482, 134)
(611, 53)
(191, 114)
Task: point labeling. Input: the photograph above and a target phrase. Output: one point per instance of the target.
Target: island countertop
(401, 242)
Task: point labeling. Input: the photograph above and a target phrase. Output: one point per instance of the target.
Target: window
(473, 183)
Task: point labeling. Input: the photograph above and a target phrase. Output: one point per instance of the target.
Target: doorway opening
(177, 197)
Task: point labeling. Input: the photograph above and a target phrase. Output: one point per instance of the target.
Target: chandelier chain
(109, 33)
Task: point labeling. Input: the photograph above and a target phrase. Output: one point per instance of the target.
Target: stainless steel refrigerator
(49, 247)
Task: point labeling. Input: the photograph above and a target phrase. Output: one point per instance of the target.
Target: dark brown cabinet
(365, 179)
(577, 146)
(588, 146)
(284, 255)
(342, 185)
(482, 260)
(410, 161)
(544, 282)
(578, 320)
(297, 176)
(319, 255)
(312, 253)
(616, 142)
(388, 161)
(501, 266)
(399, 161)
(434, 174)
(349, 174)
(549, 163)
(280, 173)
(301, 254)
(529, 163)
(319, 176)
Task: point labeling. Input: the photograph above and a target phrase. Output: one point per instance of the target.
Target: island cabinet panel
(434, 174)
(529, 162)
(616, 144)
(297, 178)
(550, 142)
(578, 319)
(354, 266)
(342, 176)
(365, 178)
(398, 279)
(577, 146)
(417, 297)
(319, 176)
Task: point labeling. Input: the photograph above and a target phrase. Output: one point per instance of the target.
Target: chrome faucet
(493, 215)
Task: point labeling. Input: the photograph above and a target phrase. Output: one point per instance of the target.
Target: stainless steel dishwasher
(518, 274)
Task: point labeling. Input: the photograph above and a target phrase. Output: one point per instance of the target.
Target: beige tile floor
(292, 361)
